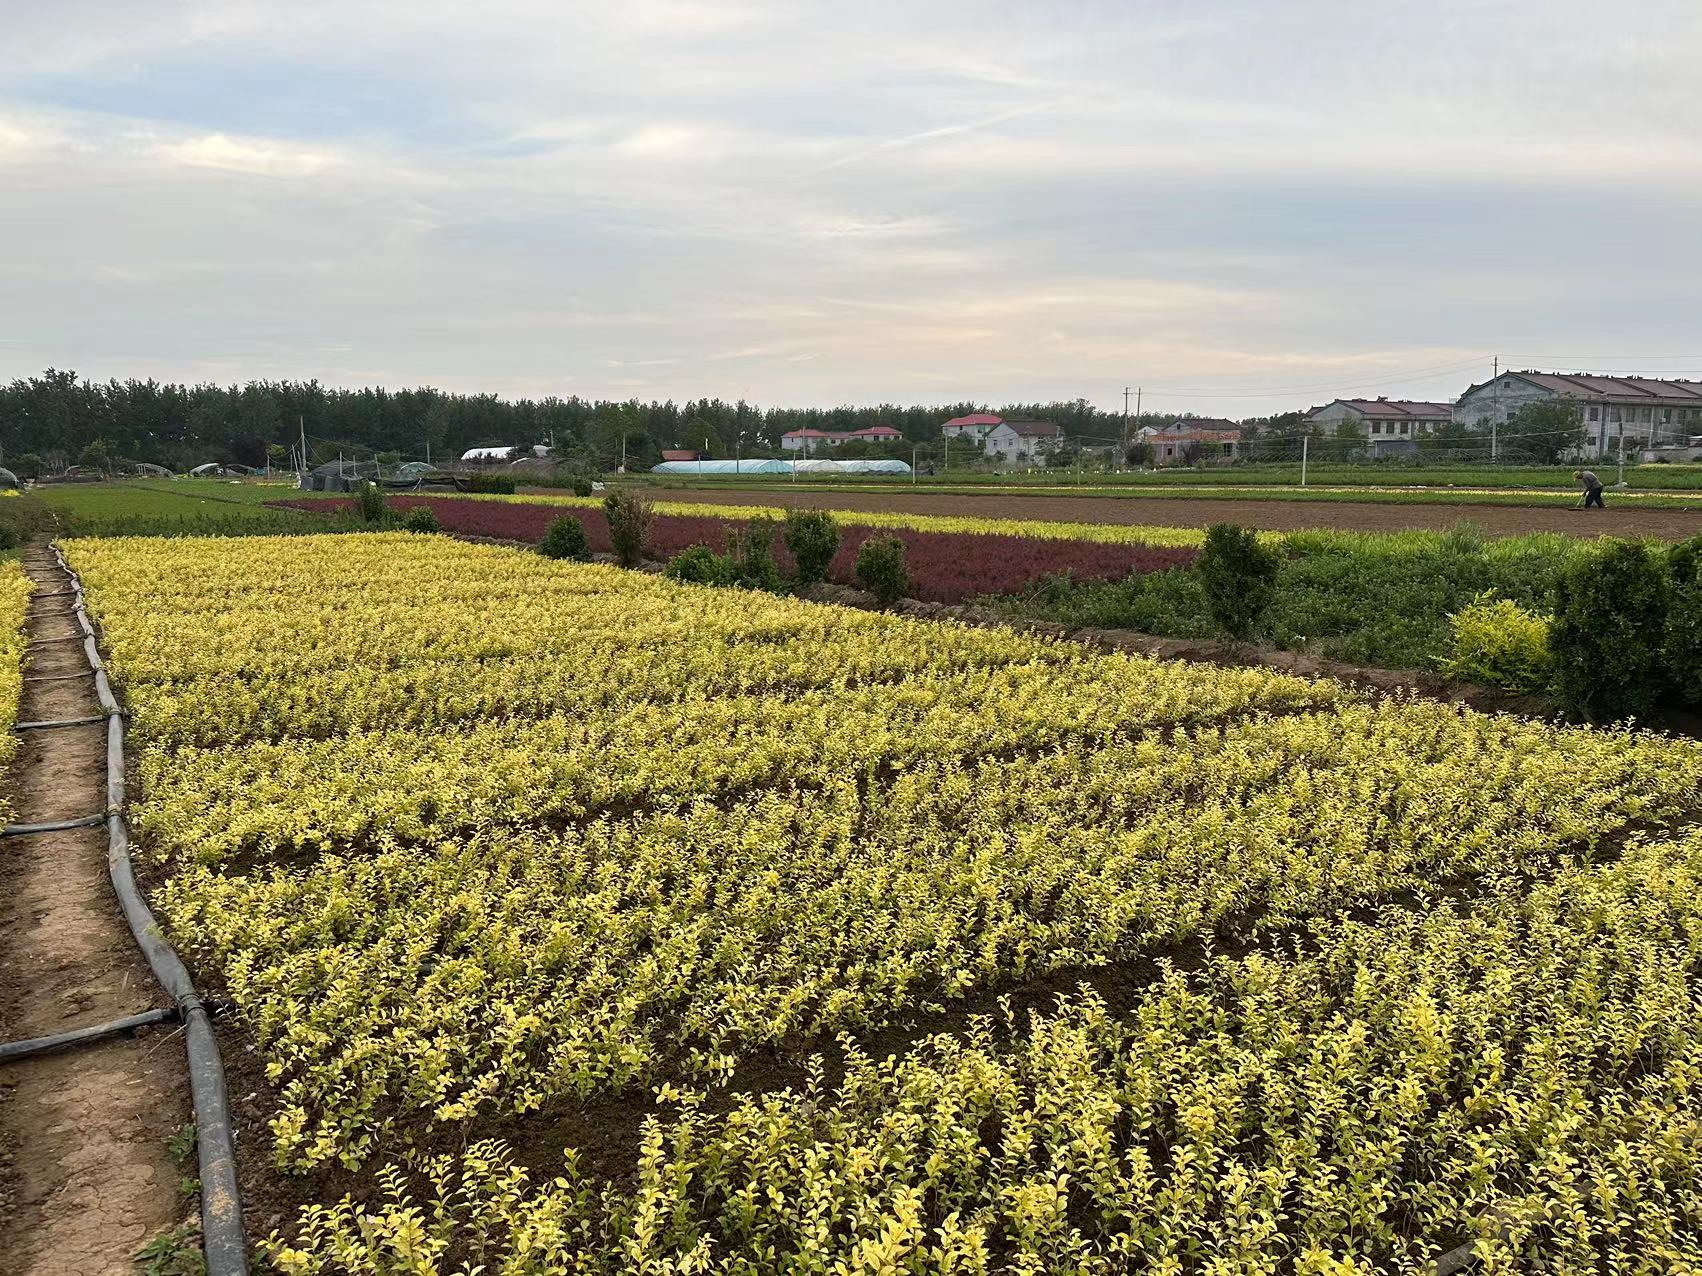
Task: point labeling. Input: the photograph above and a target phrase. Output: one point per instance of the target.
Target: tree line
(53, 419)
(56, 418)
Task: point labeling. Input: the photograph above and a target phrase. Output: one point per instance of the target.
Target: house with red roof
(974, 426)
(1188, 438)
(1389, 425)
(809, 441)
(1647, 412)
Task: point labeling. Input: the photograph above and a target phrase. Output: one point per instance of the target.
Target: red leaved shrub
(945, 567)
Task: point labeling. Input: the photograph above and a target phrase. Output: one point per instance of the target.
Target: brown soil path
(1280, 516)
(85, 1177)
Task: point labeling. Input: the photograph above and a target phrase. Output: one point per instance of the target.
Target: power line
(1393, 378)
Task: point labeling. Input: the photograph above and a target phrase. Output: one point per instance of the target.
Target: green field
(1648, 487)
(178, 507)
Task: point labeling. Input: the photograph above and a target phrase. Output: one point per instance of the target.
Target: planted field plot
(488, 849)
(14, 601)
(950, 559)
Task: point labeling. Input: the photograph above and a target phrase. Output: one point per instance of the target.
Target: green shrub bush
(369, 503)
(1609, 630)
(420, 519)
(1683, 639)
(1498, 643)
(752, 551)
(494, 484)
(813, 538)
(1239, 577)
(565, 538)
(20, 518)
(629, 525)
(882, 570)
(701, 565)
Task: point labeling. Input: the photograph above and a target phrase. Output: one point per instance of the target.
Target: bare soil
(1278, 516)
(85, 1177)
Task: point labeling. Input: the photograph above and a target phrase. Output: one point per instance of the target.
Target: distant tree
(1455, 441)
(1544, 433)
(96, 456)
(1139, 452)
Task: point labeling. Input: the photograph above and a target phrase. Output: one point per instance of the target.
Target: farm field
(950, 560)
(1619, 519)
(1369, 598)
(1385, 476)
(1094, 486)
(14, 600)
(1178, 968)
(175, 507)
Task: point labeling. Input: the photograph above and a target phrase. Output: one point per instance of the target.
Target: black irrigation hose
(77, 1036)
(222, 1238)
(44, 723)
(53, 826)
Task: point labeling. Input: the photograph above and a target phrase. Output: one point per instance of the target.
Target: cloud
(247, 155)
(1232, 202)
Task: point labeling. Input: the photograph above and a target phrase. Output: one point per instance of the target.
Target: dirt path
(1282, 516)
(85, 1177)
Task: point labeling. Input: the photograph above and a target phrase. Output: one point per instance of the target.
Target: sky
(1240, 208)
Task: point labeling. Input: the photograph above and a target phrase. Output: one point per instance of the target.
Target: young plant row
(14, 603)
(1516, 1073)
(581, 830)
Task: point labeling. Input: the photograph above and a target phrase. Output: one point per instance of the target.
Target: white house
(1013, 441)
(1647, 411)
(809, 441)
(974, 426)
(1389, 425)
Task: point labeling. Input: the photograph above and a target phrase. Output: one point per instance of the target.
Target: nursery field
(1386, 514)
(950, 560)
(583, 921)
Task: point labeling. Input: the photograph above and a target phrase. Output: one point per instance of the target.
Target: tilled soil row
(85, 1175)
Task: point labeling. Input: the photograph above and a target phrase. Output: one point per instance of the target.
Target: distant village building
(1390, 426)
(809, 441)
(1187, 438)
(974, 426)
(683, 454)
(1005, 440)
(1650, 413)
(1013, 441)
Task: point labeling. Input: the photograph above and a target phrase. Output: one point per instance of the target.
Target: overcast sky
(1242, 207)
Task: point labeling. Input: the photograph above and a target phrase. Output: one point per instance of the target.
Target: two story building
(1390, 426)
(1005, 440)
(810, 441)
(1021, 441)
(1648, 412)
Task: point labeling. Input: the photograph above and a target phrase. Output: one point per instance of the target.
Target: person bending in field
(1592, 488)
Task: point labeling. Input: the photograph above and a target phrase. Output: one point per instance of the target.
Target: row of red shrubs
(945, 567)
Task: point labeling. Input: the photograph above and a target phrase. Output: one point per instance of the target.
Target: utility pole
(301, 428)
(1495, 417)
(623, 449)
(915, 451)
(1621, 448)
(1305, 446)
